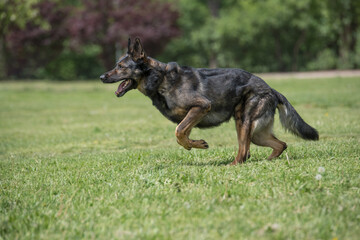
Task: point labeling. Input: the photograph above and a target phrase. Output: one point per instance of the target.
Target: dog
(204, 98)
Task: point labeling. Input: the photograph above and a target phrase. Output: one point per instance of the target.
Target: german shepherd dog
(200, 97)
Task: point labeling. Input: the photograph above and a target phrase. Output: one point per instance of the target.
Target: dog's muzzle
(125, 85)
(104, 77)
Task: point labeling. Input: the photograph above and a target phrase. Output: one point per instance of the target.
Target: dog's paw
(199, 144)
(236, 162)
(187, 148)
(185, 144)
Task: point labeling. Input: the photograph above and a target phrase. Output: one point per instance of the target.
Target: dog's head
(130, 70)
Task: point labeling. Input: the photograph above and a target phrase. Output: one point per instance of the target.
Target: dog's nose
(103, 77)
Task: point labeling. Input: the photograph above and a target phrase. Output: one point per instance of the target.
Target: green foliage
(325, 60)
(259, 36)
(29, 49)
(15, 13)
(78, 163)
(18, 13)
(270, 35)
(70, 65)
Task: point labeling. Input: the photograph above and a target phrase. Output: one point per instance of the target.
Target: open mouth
(124, 86)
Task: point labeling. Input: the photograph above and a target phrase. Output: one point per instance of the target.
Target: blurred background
(80, 39)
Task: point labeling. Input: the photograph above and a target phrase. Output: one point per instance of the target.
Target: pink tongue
(121, 87)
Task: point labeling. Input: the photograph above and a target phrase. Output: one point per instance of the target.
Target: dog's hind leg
(263, 136)
(243, 129)
(182, 132)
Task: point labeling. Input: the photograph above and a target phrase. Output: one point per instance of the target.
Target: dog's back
(223, 88)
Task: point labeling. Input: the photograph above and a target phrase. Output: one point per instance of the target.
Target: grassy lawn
(78, 163)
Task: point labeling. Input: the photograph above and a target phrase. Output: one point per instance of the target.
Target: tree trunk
(213, 61)
(296, 50)
(4, 59)
(278, 52)
(344, 49)
(214, 7)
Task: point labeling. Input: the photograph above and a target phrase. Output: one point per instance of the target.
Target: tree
(274, 34)
(268, 35)
(110, 23)
(38, 41)
(13, 13)
(199, 43)
(343, 22)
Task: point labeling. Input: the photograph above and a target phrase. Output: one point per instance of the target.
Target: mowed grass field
(78, 163)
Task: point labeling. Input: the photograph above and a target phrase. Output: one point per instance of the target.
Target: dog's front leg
(183, 130)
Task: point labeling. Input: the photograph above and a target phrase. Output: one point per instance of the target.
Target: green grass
(77, 162)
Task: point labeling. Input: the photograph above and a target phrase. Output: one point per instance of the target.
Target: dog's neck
(163, 67)
(160, 66)
(153, 77)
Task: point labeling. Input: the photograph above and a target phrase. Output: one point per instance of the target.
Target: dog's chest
(170, 95)
(168, 107)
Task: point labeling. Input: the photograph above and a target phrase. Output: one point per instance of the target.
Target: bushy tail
(292, 121)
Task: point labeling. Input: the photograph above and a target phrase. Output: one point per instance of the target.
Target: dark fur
(208, 97)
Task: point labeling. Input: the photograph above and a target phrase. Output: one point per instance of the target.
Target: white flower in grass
(275, 227)
(321, 169)
(167, 181)
(318, 177)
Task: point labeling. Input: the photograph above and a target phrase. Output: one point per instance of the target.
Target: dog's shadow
(223, 162)
(220, 162)
(227, 161)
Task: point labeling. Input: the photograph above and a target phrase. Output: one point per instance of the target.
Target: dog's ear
(138, 52)
(129, 51)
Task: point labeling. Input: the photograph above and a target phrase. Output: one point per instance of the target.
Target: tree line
(78, 39)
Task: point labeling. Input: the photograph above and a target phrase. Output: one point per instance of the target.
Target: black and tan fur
(200, 97)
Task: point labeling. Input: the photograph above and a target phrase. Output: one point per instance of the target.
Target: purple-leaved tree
(109, 23)
(34, 45)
